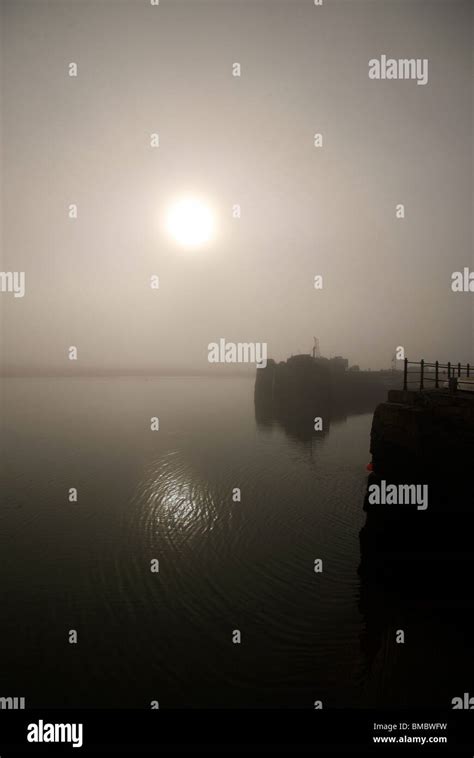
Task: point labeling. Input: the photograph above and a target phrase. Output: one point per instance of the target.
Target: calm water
(224, 565)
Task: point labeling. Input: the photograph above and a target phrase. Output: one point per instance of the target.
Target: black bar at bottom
(130, 732)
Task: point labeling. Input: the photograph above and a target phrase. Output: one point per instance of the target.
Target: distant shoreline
(128, 374)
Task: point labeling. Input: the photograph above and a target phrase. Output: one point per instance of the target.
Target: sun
(190, 222)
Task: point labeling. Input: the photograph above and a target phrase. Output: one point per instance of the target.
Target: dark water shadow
(306, 420)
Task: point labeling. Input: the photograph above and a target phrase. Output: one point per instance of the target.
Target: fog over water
(223, 565)
(155, 163)
(244, 141)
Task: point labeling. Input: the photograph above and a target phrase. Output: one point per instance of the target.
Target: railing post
(449, 369)
(405, 373)
(436, 375)
(459, 369)
(468, 370)
(422, 371)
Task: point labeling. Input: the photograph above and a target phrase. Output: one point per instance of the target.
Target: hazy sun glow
(190, 222)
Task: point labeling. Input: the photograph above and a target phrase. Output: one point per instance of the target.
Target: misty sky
(247, 141)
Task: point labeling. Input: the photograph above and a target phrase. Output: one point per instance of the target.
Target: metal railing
(452, 373)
